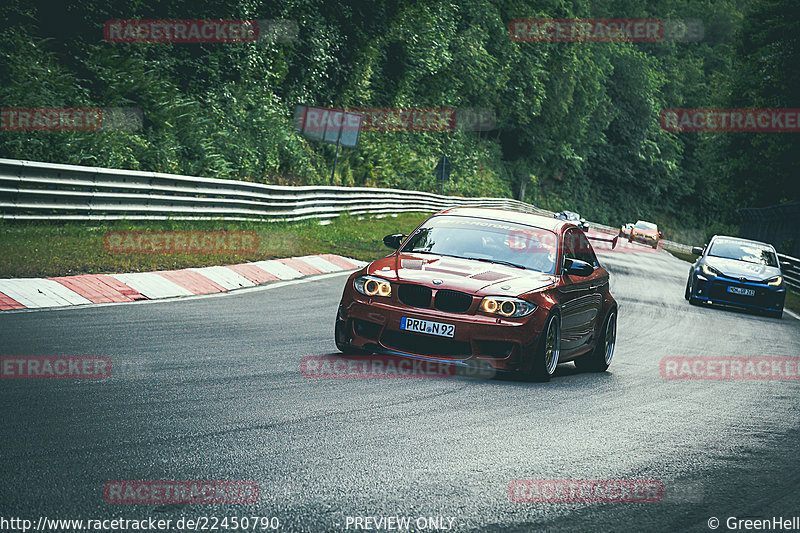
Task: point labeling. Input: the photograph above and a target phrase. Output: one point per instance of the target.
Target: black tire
(775, 314)
(689, 294)
(544, 361)
(600, 357)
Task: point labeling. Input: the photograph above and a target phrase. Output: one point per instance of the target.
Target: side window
(576, 246)
(570, 245)
(585, 252)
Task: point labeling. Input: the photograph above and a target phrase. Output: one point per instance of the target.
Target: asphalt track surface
(210, 389)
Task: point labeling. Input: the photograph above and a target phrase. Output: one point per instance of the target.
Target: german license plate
(426, 326)
(743, 292)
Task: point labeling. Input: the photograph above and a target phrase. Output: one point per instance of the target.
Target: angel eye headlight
(775, 282)
(709, 271)
(489, 305)
(372, 286)
(507, 307)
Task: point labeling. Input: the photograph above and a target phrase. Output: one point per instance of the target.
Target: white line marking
(39, 292)
(791, 313)
(224, 277)
(152, 285)
(278, 269)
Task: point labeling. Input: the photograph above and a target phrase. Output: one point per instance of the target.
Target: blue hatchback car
(739, 273)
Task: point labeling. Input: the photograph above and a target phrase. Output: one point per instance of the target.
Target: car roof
(740, 239)
(507, 215)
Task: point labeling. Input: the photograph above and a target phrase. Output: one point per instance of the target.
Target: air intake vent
(490, 276)
(452, 301)
(414, 295)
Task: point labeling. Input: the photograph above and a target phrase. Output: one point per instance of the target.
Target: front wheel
(599, 359)
(545, 359)
(689, 293)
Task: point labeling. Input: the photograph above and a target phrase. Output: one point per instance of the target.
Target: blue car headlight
(777, 281)
(710, 271)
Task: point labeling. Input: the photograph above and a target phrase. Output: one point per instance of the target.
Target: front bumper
(714, 290)
(479, 341)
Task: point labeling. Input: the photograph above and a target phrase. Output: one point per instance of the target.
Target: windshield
(743, 251)
(486, 240)
(645, 225)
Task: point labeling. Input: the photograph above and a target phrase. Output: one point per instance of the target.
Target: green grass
(792, 301)
(792, 298)
(39, 249)
(691, 258)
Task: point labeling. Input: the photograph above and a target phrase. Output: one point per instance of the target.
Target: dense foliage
(577, 123)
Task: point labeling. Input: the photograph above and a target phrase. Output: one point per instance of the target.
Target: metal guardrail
(32, 190)
(791, 274)
(775, 224)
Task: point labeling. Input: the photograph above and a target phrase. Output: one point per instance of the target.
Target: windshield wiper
(497, 262)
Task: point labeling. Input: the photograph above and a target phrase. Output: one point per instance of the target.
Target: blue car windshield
(487, 240)
(743, 251)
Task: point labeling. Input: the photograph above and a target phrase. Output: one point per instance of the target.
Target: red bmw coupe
(484, 288)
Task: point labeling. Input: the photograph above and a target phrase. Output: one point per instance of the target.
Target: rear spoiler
(596, 237)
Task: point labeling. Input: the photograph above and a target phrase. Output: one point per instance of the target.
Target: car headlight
(776, 281)
(709, 270)
(372, 286)
(507, 307)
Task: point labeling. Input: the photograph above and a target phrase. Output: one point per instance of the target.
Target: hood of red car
(467, 275)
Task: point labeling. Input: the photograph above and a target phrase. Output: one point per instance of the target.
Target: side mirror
(785, 265)
(394, 241)
(574, 267)
(696, 250)
(660, 235)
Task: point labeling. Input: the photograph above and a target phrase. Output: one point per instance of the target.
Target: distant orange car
(645, 233)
